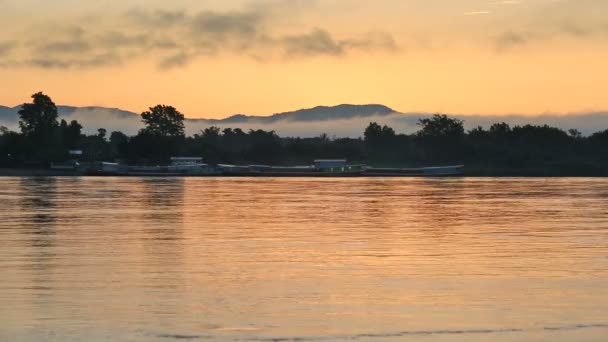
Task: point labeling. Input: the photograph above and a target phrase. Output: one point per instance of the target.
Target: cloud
(75, 62)
(321, 42)
(239, 24)
(372, 41)
(6, 47)
(510, 39)
(316, 42)
(508, 2)
(67, 46)
(554, 20)
(175, 38)
(516, 38)
(117, 39)
(272, 30)
(177, 60)
(158, 18)
(477, 12)
(575, 30)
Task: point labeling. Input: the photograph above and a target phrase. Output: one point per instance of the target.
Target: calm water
(103, 259)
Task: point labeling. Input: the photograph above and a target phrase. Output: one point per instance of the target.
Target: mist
(115, 120)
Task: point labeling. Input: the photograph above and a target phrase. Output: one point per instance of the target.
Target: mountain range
(343, 120)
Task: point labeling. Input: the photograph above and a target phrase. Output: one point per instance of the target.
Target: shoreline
(24, 172)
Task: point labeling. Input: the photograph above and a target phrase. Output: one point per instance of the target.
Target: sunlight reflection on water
(320, 259)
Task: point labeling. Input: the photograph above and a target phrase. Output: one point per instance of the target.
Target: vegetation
(163, 121)
(441, 140)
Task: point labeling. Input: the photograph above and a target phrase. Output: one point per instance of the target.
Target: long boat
(345, 170)
(193, 167)
(436, 171)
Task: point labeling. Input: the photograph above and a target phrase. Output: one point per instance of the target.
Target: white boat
(189, 165)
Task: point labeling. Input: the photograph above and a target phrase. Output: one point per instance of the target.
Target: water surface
(129, 259)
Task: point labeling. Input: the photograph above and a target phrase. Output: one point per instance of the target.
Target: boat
(68, 168)
(180, 166)
(233, 170)
(194, 166)
(321, 168)
(435, 171)
(188, 165)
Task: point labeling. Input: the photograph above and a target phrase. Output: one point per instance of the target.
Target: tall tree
(377, 136)
(372, 133)
(101, 134)
(70, 133)
(39, 118)
(441, 126)
(42, 140)
(210, 143)
(165, 121)
(118, 144)
(441, 138)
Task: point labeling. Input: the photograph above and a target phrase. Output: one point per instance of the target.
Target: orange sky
(216, 58)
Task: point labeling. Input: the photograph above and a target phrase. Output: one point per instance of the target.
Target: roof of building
(186, 158)
(330, 160)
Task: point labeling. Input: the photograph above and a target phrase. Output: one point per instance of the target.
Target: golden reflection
(240, 258)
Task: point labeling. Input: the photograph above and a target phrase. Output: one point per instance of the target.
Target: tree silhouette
(44, 139)
(500, 129)
(376, 135)
(70, 133)
(441, 126)
(575, 133)
(39, 118)
(119, 144)
(441, 138)
(101, 133)
(164, 121)
(372, 132)
(496, 150)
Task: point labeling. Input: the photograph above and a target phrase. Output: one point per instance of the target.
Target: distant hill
(320, 113)
(70, 110)
(116, 119)
(345, 120)
(8, 114)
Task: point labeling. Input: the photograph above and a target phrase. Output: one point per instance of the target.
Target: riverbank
(24, 172)
(467, 172)
(216, 173)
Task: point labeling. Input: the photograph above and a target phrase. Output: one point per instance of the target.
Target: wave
(404, 333)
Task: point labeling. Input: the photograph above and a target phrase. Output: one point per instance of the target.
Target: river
(263, 259)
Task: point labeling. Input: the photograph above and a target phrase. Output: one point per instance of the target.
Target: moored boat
(180, 166)
(187, 166)
(435, 171)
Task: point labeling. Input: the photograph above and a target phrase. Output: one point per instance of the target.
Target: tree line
(501, 149)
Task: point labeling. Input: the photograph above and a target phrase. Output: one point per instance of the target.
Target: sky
(215, 58)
